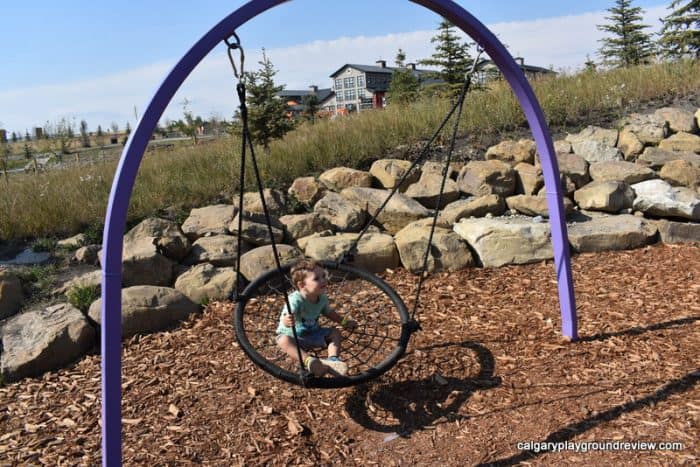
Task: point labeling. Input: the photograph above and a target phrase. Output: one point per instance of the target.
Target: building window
(339, 83)
(349, 94)
(360, 93)
(361, 81)
(339, 97)
(340, 106)
(349, 82)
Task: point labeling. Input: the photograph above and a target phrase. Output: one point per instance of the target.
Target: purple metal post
(125, 176)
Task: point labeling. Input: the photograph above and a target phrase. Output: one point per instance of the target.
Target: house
(487, 71)
(361, 87)
(295, 99)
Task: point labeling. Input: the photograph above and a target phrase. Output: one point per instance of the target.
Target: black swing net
(384, 325)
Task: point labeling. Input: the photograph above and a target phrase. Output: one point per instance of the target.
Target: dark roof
(322, 94)
(529, 68)
(373, 69)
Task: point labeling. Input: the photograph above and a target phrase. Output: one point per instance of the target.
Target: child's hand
(288, 320)
(351, 324)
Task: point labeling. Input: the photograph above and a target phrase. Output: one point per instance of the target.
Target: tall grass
(65, 201)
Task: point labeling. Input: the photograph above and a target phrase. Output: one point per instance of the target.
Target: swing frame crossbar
(123, 183)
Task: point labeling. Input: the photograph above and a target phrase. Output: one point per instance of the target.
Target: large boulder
(343, 215)
(389, 172)
(375, 251)
(262, 259)
(678, 232)
(574, 168)
(398, 212)
(481, 178)
(87, 254)
(170, 240)
(11, 294)
(209, 220)
(534, 205)
(679, 120)
(306, 190)
(629, 144)
(681, 173)
(74, 242)
(303, 225)
(448, 251)
(254, 229)
(143, 264)
(427, 191)
(502, 241)
(528, 179)
(604, 196)
(206, 282)
(275, 200)
(83, 279)
(513, 152)
(473, 207)
(219, 250)
(650, 129)
(603, 233)
(684, 142)
(436, 168)
(607, 137)
(595, 144)
(339, 178)
(620, 171)
(147, 309)
(41, 340)
(656, 158)
(658, 198)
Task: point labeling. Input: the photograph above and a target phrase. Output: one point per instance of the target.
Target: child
(308, 302)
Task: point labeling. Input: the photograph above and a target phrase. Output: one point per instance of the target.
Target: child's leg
(333, 339)
(287, 344)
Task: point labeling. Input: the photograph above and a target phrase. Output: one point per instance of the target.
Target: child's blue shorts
(313, 339)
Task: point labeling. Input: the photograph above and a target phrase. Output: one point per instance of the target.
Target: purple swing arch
(115, 219)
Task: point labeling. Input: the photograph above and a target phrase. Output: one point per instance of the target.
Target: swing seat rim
(311, 381)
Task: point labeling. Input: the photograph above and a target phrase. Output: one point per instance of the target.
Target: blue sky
(98, 60)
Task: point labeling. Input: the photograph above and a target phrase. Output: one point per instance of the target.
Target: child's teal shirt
(305, 313)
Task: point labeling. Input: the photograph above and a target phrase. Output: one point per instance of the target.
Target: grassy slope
(65, 201)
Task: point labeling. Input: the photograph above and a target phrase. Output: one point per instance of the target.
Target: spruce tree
(84, 136)
(680, 33)
(451, 56)
(628, 44)
(311, 104)
(267, 113)
(404, 86)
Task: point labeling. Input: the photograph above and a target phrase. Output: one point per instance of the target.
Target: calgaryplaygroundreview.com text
(586, 446)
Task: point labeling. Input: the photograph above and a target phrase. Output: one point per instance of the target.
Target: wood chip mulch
(489, 370)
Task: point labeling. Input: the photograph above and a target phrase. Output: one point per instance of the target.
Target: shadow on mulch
(637, 330)
(570, 431)
(408, 406)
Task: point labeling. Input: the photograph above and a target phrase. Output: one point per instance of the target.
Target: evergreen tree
(451, 56)
(629, 44)
(27, 136)
(100, 136)
(404, 86)
(84, 136)
(680, 33)
(267, 114)
(589, 64)
(14, 137)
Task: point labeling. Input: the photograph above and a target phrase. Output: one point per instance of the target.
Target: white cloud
(562, 42)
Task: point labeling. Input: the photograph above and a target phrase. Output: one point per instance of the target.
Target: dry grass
(65, 201)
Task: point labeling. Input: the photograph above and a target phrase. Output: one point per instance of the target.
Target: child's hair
(301, 268)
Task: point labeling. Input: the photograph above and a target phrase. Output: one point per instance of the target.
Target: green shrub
(82, 296)
(44, 244)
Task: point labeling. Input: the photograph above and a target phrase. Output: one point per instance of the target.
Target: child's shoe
(336, 364)
(315, 366)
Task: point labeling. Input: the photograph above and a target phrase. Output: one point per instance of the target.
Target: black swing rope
(240, 90)
(246, 140)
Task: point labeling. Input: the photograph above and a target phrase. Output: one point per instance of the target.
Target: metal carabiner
(233, 46)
